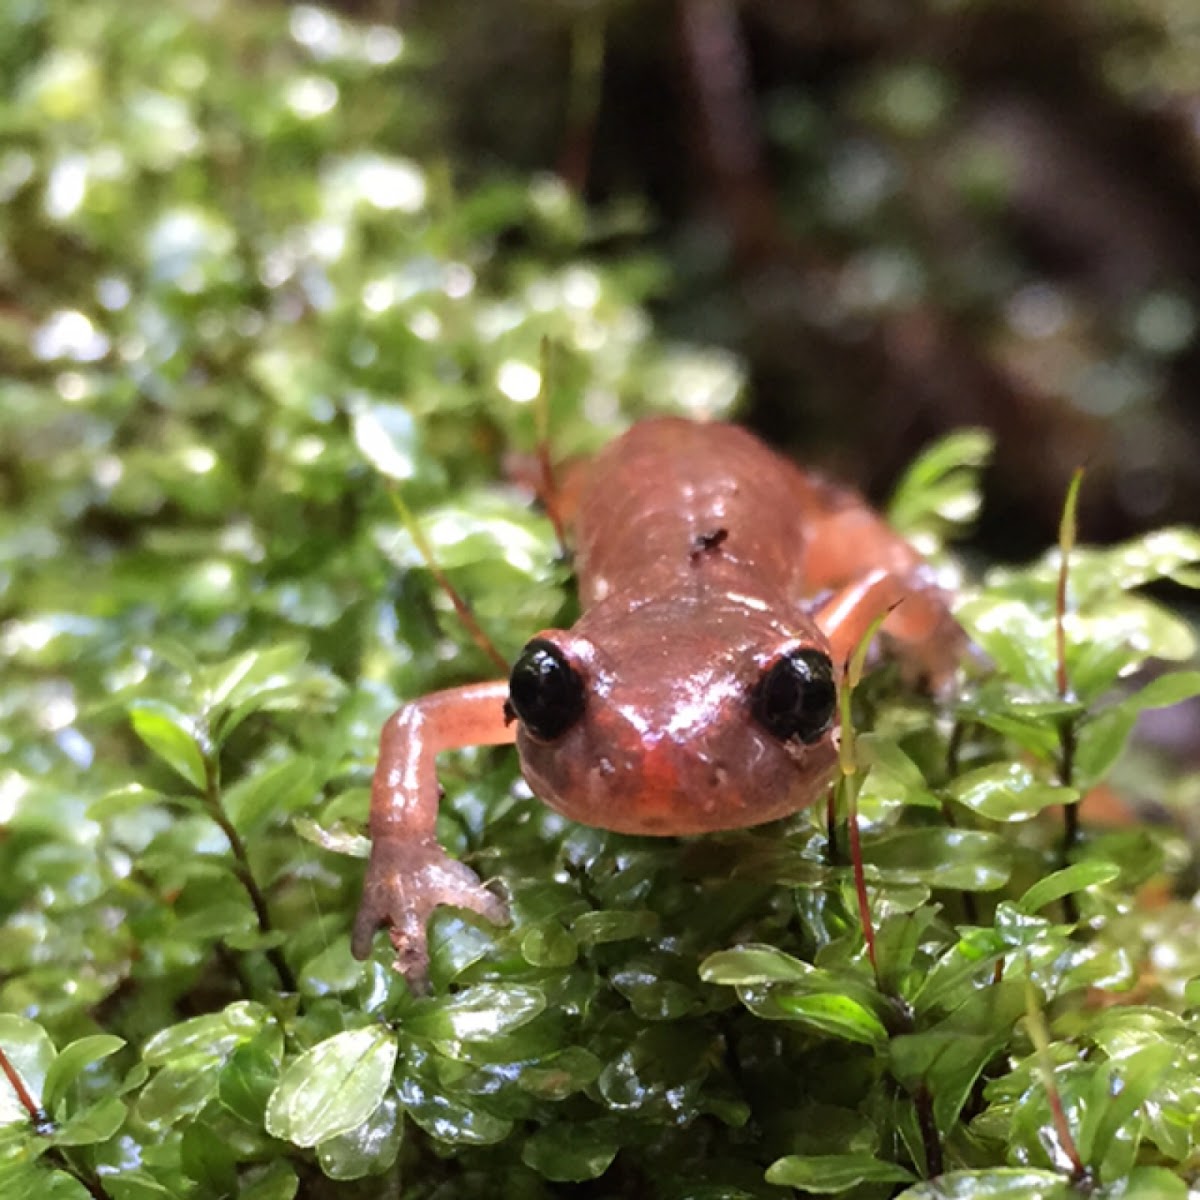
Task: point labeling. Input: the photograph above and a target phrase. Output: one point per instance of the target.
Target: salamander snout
(648, 751)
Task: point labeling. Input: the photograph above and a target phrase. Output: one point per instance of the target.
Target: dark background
(906, 216)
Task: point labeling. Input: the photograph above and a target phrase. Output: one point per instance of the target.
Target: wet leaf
(1119, 1090)
(1167, 689)
(1008, 792)
(336, 841)
(97, 1123)
(996, 1183)
(754, 964)
(1103, 738)
(827, 1013)
(72, 1061)
(548, 944)
(940, 489)
(456, 941)
(646, 982)
(271, 793)
(572, 1153)
(254, 673)
(46, 1185)
(368, 1149)
(561, 1075)
(1076, 878)
(277, 1182)
(476, 1013)
(332, 1088)
(207, 1158)
(969, 960)
(173, 737)
(448, 1119)
(831, 1174)
(1149, 1183)
(213, 1035)
(1016, 638)
(945, 1059)
(964, 859)
(122, 800)
(599, 927)
(250, 1075)
(180, 1089)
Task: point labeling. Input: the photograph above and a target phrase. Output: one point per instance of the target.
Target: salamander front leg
(927, 639)
(409, 874)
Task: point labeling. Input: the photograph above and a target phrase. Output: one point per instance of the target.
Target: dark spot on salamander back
(707, 543)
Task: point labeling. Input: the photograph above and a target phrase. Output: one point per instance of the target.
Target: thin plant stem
(930, 1139)
(461, 608)
(1066, 543)
(831, 824)
(90, 1183)
(848, 789)
(1039, 1035)
(957, 734)
(245, 876)
(860, 881)
(1067, 532)
(847, 793)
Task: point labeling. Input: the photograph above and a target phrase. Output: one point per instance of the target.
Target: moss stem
(245, 876)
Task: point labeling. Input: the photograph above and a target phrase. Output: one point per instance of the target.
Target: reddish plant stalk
(860, 883)
(461, 607)
(24, 1097)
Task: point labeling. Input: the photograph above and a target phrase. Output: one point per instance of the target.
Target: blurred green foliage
(241, 298)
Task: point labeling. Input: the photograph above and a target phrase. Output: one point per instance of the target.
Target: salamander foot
(405, 882)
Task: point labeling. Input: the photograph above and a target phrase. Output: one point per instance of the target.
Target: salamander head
(679, 732)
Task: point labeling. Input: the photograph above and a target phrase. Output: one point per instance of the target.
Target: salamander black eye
(545, 691)
(796, 697)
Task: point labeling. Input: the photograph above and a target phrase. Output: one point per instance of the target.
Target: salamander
(722, 590)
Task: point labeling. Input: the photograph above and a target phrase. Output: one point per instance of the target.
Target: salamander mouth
(663, 789)
(670, 802)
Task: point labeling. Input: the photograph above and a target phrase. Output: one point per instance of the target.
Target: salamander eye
(545, 691)
(796, 697)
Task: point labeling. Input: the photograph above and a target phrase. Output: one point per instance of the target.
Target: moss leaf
(830, 1174)
(332, 1088)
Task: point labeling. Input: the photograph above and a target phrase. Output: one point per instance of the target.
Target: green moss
(248, 301)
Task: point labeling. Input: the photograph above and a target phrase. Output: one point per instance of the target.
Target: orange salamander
(723, 589)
